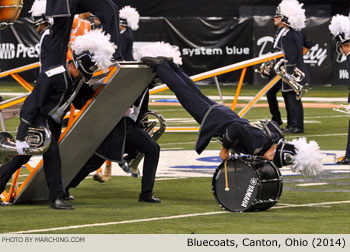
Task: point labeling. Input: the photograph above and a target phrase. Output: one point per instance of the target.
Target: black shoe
(66, 196)
(297, 131)
(287, 129)
(279, 123)
(148, 197)
(162, 58)
(61, 205)
(153, 62)
(344, 161)
(291, 130)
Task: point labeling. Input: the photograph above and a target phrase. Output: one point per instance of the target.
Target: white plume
(159, 49)
(131, 15)
(308, 158)
(38, 8)
(98, 44)
(293, 10)
(340, 24)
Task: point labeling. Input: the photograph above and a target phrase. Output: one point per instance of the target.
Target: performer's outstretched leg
(185, 90)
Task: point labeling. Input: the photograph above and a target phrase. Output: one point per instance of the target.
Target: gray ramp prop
(92, 127)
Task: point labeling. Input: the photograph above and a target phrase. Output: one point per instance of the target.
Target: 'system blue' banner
(205, 44)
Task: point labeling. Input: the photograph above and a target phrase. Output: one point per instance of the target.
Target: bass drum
(9, 11)
(254, 185)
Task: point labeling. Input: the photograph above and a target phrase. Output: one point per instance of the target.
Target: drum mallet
(226, 178)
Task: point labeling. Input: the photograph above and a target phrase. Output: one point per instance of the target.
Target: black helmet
(284, 153)
(86, 67)
(123, 22)
(339, 40)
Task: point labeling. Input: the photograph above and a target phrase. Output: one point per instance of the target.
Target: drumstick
(226, 179)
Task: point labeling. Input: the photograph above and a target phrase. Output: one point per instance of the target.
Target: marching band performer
(43, 28)
(63, 13)
(128, 22)
(237, 133)
(54, 87)
(340, 29)
(126, 137)
(271, 94)
(293, 19)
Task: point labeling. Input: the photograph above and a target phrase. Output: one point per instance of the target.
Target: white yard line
(167, 218)
(248, 98)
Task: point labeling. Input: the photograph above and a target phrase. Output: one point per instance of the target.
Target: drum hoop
(12, 6)
(17, 8)
(214, 178)
(279, 178)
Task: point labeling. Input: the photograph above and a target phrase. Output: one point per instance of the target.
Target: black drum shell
(255, 185)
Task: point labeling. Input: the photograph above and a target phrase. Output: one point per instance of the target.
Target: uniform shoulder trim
(55, 71)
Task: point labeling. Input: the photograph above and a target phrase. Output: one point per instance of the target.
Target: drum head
(242, 183)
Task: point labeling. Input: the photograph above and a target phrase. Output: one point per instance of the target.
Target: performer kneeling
(237, 133)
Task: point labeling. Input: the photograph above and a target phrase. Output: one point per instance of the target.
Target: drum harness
(263, 126)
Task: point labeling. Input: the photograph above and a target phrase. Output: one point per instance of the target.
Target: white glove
(20, 145)
(348, 108)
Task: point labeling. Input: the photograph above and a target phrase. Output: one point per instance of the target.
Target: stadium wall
(205, 42)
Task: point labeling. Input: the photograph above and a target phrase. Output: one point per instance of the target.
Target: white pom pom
(38, 8)
(98, 44)
(131, 15)
(308, 158)
(159, 49)
(295, 13)
(340, 24)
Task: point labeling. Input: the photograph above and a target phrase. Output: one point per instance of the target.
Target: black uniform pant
(295, 111)
(52, 165)
(186, 91)
(347, 153)
(273, 103)
(136, 139)
(106, 10)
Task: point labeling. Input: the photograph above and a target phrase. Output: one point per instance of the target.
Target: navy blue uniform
(63, 13)
(126, 137)
(292, 46)
(272, 93)
(126, 42)
(216, 120)
(347, 153)
(53, 88)
(44, 49)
